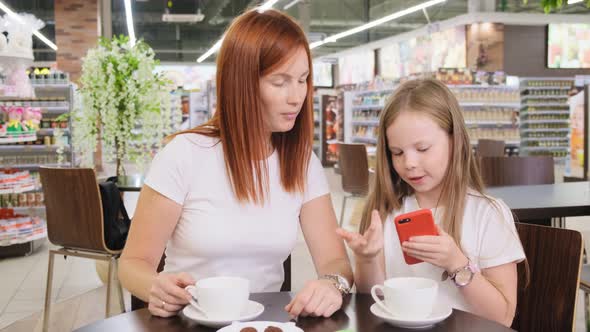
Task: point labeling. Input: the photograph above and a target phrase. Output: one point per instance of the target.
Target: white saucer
(260, 326)
(439, 313)
(253, 309)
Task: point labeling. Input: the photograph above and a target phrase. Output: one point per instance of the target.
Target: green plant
(550, 5)
(123, 102)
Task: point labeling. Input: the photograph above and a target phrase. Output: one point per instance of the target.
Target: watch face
(463, 277)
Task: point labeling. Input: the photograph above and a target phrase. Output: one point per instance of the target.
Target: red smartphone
(416, 223)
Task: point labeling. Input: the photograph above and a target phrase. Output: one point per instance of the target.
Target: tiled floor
(22, 281)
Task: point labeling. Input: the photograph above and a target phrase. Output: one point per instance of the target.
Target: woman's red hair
(255, 44)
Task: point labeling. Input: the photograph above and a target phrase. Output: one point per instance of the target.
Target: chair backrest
(490, 148)
(554, 259)
(512, 171)
(73, 208)
(354, 167)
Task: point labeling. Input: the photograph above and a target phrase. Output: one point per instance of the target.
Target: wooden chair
(75, 223)
(490, 148)
(513, 171)
(354, 166)
(554, 259)
(137, 303)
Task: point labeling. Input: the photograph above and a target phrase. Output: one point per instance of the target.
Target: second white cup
(407, 298)
(220, 298)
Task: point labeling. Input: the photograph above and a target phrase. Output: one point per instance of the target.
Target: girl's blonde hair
(388, 190)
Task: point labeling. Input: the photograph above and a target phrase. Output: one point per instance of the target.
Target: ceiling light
(375, 23)
(291, 4)
(217, 45)
(129, 17)
(20, 20)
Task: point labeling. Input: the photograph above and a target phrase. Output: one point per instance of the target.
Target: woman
(227, 197)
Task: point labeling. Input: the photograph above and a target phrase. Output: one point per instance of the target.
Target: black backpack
(116, 220)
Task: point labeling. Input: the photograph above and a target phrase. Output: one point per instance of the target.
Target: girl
(424, 160)
(227, 198)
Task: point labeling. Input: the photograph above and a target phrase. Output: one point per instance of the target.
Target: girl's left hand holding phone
(440, 250)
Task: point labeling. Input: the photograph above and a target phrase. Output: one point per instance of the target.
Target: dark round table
(354, 316)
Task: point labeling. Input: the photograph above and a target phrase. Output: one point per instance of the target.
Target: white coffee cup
(407, 298)
(220, 298)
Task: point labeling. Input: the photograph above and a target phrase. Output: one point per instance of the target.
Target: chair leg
(343, 209)
(46, 309)
(119, 288)
(109, 282)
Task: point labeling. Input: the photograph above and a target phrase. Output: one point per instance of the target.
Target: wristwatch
(463, 276)
(339, 282)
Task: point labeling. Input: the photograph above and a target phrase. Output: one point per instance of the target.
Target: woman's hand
(167, 293)
(368, 245)
(440, 250)
(318, 298)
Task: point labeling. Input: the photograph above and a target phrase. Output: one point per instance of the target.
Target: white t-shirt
(216, 235)
(488, 238)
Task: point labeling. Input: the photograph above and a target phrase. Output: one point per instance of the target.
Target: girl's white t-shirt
(488, 238)
(218, 236)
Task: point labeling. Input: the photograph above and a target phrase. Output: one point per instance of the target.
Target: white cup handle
(378, 300)
(192, 300)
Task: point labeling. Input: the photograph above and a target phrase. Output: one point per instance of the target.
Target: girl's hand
(167, 294)
(319, 298)
(369, 244)
(440, 250)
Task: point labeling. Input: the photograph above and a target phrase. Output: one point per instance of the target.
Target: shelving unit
(362, 111)
(317, 128)
(545, 117)
(330, 126)
(23, 234)
(490, 112)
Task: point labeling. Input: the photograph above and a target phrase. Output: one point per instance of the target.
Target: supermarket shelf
(25, 209)
(544, 148)
(514, 143)
(365, 122)
(549, 87)
(546, 105)
(543, 121)
(29, 148)
(54, 109)
(374, 92)
(544, 139)
(548, 130)
(359, 139)
(51, 86)
(490, 123)
(33, 166)
(49, 131)
(548, 112)
(367, 107)
(489, 104)
(525, 97)
(481, 86)
(18, 139)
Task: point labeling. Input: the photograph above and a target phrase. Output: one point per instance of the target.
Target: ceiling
(187, 41)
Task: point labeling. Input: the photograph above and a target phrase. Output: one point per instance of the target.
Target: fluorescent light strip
(129, 17)
(267, 5)
(375, 23)
(20, 20)
(571, 2)
(217, 45)
(291, 4)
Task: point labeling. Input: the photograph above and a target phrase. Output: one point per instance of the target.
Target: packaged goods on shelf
(544, 117)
